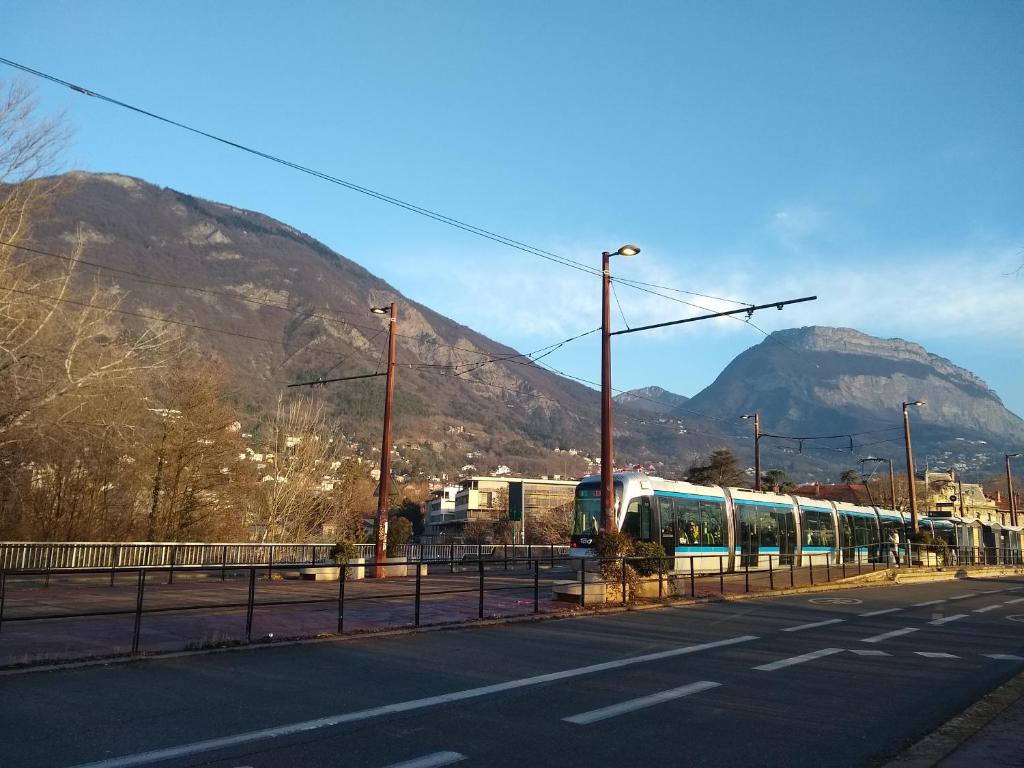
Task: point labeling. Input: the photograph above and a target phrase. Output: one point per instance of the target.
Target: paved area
(847, 678)
(288, 608)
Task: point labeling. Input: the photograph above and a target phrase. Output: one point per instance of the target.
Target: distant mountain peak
(651, 399)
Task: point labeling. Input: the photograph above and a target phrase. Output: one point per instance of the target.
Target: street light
(756, 416)
(910, 464)
(384, 489)
(1009, 487)
(607, 489)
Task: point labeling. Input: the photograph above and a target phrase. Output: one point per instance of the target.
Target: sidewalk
(1000, 744)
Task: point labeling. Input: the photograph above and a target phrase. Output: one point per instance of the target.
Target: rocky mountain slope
(821, 381)
(302, 312)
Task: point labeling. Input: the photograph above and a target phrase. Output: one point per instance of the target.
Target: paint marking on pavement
(782, 663)
(930, 602)
(963, 597)
(869, 652)
(987, 608)
(990, 591)
(1003, 656)
(936, 655)
(1017, 600)
(431, 761)
(813, 625)
(1014, 589)
(887, 635)
(879, 613)
(947, 619)
(198, 747)
(595, 715)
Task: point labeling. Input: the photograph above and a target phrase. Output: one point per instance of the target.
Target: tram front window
(586, 517)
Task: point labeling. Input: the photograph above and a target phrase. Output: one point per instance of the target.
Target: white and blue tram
(738, 529)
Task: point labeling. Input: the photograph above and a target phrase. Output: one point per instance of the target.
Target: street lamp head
(380, 310)
(628, 250)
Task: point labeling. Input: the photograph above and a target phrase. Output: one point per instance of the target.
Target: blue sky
(870, 153)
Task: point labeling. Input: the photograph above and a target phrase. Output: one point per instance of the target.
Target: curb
(944, 740)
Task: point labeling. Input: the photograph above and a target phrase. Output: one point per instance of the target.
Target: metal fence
(78, 555)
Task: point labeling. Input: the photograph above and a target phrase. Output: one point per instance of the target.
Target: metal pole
(607, 491)
(910, 470)
(1009, 489)
(771, 573)
(792, 574)
(480, 565)
(224, 562)
(757, 450)
(419, 574)
(583, 583)
(892, 484)
(115, 558)
(174, 557)
(693, 585)
(3, 595)
(342, 578)
(251, 604)
(536, 586)
(138, 611)
(623, 580)
(384, 490)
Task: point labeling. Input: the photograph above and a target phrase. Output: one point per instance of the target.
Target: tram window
(645, 519)
(769, 529)
(714, 523)
(631, 525)
(825, 529)
(688, 522)
(846, 535)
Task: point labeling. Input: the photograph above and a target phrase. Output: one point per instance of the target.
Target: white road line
(1014, 589)
(813, 625)
(170, 753)
(1003, 656)
(586, 718)
(946, 620)
(936, 655)
(1011, 602)
(887, 635)
(879, 613)
(869, 652)
(431, 761)
(963, 597)
(987, 608)
(930, 602)
(781, 663)
(990, 591)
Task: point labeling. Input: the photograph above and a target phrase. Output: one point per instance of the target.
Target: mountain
(827, 381)
(300, 311)
(651, 400)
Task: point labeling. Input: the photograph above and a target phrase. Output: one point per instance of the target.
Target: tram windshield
(586, 517)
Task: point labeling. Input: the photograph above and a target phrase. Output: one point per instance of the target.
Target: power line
(411, 207)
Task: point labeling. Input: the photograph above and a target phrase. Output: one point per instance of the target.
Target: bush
(655, 558)
(343, 551)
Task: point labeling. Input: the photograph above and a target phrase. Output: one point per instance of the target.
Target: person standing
(894, 544)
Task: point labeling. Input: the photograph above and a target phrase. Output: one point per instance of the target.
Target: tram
(730, 529)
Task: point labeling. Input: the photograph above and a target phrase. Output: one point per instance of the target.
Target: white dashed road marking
(990, 591)
(1012, 602)
(879, 613)
(930, 602)
(239, 739)
(887, 635)
(431, 761)
(963, 597)
(813, 625)
(869, 652)
(782, 663)
(586, 718)
(947, 619)
(1003, 656)
(936, 655)
(987, 608)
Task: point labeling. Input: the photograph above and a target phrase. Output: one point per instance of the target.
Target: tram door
(787, 536)
(667, 522)
(749, 541)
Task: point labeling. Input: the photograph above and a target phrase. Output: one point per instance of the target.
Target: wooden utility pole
(384, 488)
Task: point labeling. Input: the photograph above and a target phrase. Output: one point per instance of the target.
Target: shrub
(655, 558)
(343, 551)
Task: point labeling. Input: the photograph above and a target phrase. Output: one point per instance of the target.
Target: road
(800, 680)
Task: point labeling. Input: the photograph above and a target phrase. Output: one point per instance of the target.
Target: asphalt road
(787, 681)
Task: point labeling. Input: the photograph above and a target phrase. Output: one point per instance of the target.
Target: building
(486, 499)
(946, 495)
(440, 511)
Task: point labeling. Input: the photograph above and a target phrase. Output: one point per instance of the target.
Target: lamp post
(910, 464)
(892, 480)
(1009, 487)
(384, 489)
(607, 486)
(756, 416)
